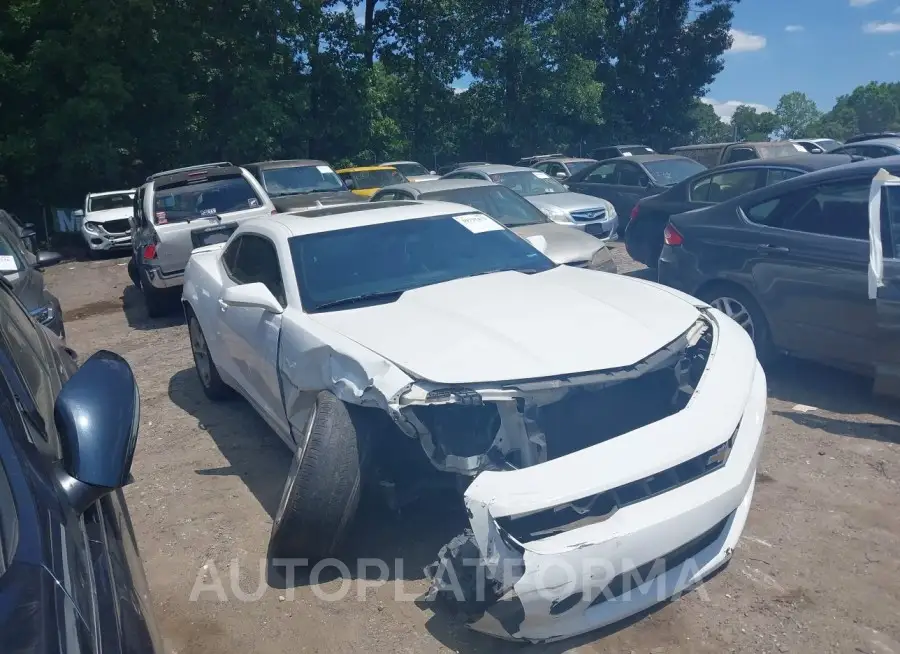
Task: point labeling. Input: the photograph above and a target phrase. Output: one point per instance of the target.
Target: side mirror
(538, 242)
(28, 232)
(97, 415)
(78, 213)
(561, 175)
(255, 296)
(431, 172)
(45, 259)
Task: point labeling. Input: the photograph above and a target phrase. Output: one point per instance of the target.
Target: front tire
(321, 493)
(740, 306)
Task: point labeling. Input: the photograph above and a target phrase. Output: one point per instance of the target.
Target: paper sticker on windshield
(542, 175)
(208, 212)
(161, 218)
(8, 263)
(477, 223)
(253, 202)
(626, 154)
(323, 169)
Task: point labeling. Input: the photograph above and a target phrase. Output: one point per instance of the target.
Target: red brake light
(671, 235)
(634, 213)
(150, 251)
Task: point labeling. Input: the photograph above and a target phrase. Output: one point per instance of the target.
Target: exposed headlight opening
(44, 314)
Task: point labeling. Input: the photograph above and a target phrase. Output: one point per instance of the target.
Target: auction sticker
(324, 169)
(542, 175)
(161, 218)
(478, 223)
(8, 263)
(208, 212)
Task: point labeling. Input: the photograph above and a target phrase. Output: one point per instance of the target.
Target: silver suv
(176, 211)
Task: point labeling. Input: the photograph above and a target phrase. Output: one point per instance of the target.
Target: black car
(625, 180)
(868, 136)
(789, 263)
(71, 579)
(644, 233)
(22, 269)
(297, 183)
(613, 151)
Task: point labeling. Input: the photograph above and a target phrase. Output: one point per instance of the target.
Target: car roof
(439, 185)
(391, 163)
(362, 214)
(647, 158)
(881, 141)
(283, 163)
(363, 169)
(567, 159)
(100, 194)
(496, 168)
(187, 169)
(807, 162)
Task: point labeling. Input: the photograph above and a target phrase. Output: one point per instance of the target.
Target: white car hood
(109, 214)
(513, 326)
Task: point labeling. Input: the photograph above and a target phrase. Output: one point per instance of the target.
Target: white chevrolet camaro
(607, 429)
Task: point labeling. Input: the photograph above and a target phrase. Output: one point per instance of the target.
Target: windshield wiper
(384, 297)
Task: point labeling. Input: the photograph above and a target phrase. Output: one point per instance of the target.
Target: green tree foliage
(873, 107)
(709, 128)
(752, 125)
(96, 95)
(795, 113)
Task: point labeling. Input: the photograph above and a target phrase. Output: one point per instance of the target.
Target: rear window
(779, 150)
(204, 199)
(106, 202)
(578, 166)
(376, 178)
(669, 172)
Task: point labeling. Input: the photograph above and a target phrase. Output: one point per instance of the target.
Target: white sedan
(422, 340)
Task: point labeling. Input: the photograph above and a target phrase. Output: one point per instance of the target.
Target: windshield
(578, 166)
(780, 150)
(206, 199)
(828, 144)
(104, 202)
(292, 180)
(343, 264)
(529, 182)
(498, 202)
(411, 169)
(377, 178)
(669, 172)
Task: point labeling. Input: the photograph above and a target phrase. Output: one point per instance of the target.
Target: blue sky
(824, 48)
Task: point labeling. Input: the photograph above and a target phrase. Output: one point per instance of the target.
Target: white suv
(106, 220)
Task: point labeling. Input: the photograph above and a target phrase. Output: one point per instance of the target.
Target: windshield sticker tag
(626, 154)
(478, 223)
(253, 202)
(208, 212)
(161, 218)
(323, 169)
(7, 263)
(542, 175)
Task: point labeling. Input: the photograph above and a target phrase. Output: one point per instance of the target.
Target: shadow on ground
(132, 304)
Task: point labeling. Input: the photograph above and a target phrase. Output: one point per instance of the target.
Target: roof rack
(218, 164)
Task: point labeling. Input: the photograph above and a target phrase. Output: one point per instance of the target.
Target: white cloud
(745, 41)
(794, 28)
(894, 53)
(725, 110)
(881, 27)
(459, 89)
(861, 3)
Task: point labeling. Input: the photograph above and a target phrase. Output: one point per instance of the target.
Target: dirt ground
(817, 569)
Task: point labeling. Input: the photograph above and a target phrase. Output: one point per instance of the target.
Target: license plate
(211, 235)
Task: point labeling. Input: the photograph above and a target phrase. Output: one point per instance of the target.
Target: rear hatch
(198, 208)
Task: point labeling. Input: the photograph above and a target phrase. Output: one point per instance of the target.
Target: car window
(890, 215)
(837, 209)
(411, 169)
(185, 201)
(256, 260)
(740, 154)
(725, 186)
(602, 174)
(105, 202)
(542, 166)
(32, 359)
(775, 175)
(499, 202)
(631, 175)
(138, 207)
(576, 167)
(699, 190)
(529, 182)
(377, 178)
(605, 153)
(384, 195)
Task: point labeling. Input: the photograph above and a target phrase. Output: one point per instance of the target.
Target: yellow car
(365, 180)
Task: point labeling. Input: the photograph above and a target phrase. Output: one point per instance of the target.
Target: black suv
(70, 574)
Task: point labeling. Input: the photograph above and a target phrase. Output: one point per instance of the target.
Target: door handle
(222, 304)
(766, 248)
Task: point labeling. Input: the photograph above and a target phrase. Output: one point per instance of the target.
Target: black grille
(559, 519)
(588, 215)
(600, 230)
(631, 579)
(117, 226)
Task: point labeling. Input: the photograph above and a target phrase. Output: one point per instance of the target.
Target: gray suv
(176, 211)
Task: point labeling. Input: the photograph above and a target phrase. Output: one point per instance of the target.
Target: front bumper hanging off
(585, 540)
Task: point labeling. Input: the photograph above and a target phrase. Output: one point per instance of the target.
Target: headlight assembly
(44, 314)
(91, 227)
(557, 215)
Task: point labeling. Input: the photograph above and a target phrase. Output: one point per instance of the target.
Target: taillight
(634, 213)
(150, 251)
(273, 212)
(671, 236)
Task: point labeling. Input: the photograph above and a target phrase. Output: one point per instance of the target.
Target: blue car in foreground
(71, 578)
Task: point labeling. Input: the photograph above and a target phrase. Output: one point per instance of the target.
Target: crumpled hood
(304, 201)
(109, 214)
(514, 326)
(567, 201)
(564, 244)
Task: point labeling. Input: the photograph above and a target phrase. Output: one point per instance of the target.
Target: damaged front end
(549, 469)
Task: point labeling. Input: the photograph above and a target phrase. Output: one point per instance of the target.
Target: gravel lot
(816, 571)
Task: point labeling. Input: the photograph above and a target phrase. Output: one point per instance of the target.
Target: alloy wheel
(735, 310)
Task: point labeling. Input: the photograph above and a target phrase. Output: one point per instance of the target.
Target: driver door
(250, 335)
(886, 344)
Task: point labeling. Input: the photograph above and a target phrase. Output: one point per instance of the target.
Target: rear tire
(156, 300)
(739, 305)
(133, 272)
(321, 493)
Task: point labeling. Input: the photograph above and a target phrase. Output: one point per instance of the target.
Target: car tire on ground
(213, 386)
(321, 493)
(156, 300)
(740, 306)
(133, 272)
